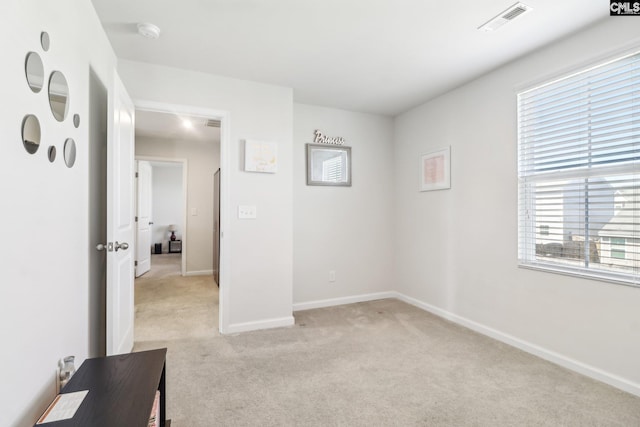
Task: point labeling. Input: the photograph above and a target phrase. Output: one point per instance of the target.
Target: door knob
(124, 246)
(105, 247)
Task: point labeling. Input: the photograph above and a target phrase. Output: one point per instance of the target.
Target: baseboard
(199, 273)
(236, 328)
(342, 300)
(558, 359)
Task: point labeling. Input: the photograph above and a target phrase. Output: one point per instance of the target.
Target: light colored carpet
(382, 363)
(171, 307)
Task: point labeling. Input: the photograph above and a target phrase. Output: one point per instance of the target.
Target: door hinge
(136, 174)
(135, 263)
(136, 219)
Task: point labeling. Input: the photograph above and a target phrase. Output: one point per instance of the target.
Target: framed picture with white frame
(260, 156)
(435, 170)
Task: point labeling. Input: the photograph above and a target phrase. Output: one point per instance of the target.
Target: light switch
(247, 212)
(194, 211)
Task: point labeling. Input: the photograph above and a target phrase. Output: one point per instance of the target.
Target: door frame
(225, 199)
(185, 166)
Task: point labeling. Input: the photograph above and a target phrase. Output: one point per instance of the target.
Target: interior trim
(546, 354)
(199, 273)
(236, 328)
(343, 300)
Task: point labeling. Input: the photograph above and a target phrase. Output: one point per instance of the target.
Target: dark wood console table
(121, 390)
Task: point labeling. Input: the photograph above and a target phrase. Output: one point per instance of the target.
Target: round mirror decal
(69, 152)
(44, 40)
(34, 70)
(58, 95)
(52, 154)
(31, 133)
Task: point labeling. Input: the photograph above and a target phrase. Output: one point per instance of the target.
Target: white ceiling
(171, 126)
(378, 56)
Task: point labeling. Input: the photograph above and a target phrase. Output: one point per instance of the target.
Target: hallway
(171, 307)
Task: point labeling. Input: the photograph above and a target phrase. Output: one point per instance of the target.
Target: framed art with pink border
(435, 170)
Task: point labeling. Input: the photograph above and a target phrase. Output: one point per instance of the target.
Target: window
(617, 247)
(579, 173)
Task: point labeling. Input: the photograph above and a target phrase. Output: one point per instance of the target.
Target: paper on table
(63, 407)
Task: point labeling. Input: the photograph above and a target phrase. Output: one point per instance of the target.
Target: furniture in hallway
(175, 246)
(122, 389)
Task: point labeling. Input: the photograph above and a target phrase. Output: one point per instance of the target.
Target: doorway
(201, 157)
(161, 215)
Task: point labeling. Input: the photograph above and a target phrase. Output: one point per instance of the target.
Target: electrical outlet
(332, 276)
(247, 212)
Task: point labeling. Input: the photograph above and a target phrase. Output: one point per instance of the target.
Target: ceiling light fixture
(505, 16)
(149, 31)
(187, 123)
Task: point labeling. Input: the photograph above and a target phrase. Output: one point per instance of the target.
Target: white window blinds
(579, 173)
(332, 169)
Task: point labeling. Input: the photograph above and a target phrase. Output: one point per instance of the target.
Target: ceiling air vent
(212, 123)
(506, 16)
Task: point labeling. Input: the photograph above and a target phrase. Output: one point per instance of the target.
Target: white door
(143, 235)
(120, 220)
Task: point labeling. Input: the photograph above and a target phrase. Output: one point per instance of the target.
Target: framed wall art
(435, 170)
(260, 156)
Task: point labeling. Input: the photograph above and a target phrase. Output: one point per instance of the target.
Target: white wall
(345, 229)
(167, 203)
(203, 159)
(259, 278)
(456, 250)
(44, 296)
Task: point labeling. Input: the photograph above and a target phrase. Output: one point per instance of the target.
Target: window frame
(528, 230)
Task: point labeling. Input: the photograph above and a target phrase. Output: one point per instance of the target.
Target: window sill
(616, 278)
